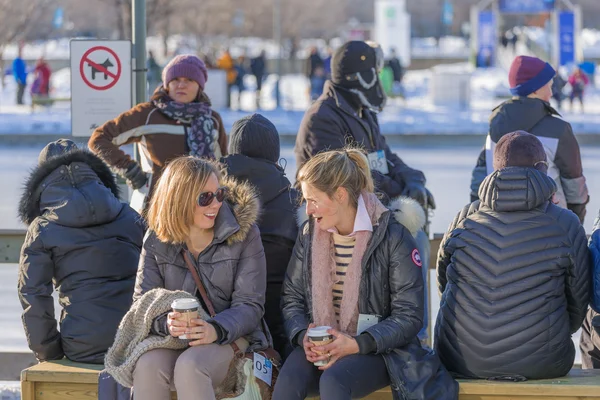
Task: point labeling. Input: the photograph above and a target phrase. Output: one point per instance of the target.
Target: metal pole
(277, 38)
(138, 28)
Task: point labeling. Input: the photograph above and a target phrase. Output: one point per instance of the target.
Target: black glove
(420, 194)
(135, 176)
(579, 210)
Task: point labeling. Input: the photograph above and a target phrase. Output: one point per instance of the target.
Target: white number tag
(378, 162)
(263, 369)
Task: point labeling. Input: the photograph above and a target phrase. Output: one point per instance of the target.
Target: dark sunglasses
(206, 198)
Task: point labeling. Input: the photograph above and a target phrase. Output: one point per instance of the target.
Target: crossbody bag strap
(203, 294)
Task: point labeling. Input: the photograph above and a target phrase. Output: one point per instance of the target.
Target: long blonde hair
(347, 168)
(171, 211)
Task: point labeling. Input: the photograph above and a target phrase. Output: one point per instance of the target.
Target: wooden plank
(66, 391)
(523, 397)
(434, 245)
(27, 390)
(579, 383)
(63, 371)
(11, 241)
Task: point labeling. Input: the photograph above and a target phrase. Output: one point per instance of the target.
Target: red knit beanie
(529, 74)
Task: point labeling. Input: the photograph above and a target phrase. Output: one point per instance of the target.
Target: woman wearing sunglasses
(193, 213)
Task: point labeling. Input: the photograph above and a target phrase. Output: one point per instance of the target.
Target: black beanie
(56, 149)
(351, 58)
(520, 149)
(256, 137)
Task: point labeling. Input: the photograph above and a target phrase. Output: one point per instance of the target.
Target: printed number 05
(261, 367)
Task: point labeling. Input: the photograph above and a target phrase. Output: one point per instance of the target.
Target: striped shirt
(344, 246)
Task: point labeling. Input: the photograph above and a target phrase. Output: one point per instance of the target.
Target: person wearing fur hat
(346, 113)
(83, 241)
(514, 273)
(200, 222)
(356, 268)
(254, 158)
(530, 80)
(178, 120)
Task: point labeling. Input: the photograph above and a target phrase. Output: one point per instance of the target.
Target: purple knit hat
(187, 66)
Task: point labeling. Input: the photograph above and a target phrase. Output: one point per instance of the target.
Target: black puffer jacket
(392, 288)
(514, 274)
(278, 228)
(331, 123)
(278, 200)
(83, 240)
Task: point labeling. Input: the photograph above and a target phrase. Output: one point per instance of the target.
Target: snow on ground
(414, 115)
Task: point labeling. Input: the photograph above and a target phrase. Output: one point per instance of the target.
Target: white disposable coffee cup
(188, 308)
(319, 337)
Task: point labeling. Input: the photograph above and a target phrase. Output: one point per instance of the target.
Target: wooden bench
(42, 101)
(60, 380)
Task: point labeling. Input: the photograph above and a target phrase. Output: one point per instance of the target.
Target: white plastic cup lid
(319, 331)
(185, 304)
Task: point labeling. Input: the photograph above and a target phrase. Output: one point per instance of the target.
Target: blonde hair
(171, 211)
(347, 168)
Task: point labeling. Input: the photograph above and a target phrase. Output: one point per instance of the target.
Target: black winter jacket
(86, 243)
(514, 273)
(331, 123)
(562, 150)
(391, 288)
(278, 200)
(278, 228)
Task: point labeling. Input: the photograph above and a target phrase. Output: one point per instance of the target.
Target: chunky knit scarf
(133, 337)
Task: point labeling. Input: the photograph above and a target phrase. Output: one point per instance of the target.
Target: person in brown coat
(177, 121)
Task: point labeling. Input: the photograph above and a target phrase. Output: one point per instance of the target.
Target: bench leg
(27, 390)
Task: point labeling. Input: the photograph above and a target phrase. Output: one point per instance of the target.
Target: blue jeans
(424, 248)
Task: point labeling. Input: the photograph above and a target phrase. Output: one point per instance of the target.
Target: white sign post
(100, 83)
(392, 28)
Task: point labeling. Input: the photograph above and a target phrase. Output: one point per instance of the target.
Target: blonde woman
(193, 212)
(358, 270)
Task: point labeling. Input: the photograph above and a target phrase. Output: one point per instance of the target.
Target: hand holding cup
(339, 346)
(180, 319)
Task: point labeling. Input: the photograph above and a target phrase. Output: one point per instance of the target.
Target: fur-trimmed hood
(406, 211)
(243, 205)
(75, 189)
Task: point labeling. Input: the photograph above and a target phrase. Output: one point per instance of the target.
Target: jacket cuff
(299, 338)
(366, 343)
(221, 333)
(159, 325)
(53, 351)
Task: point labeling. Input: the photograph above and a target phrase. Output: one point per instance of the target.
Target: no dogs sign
(100, 82)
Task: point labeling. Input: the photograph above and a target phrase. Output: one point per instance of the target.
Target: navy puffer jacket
(83, 241)
(514, 274)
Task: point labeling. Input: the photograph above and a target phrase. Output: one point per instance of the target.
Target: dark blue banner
(566, 37)
(526, 6)
(486, 39)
